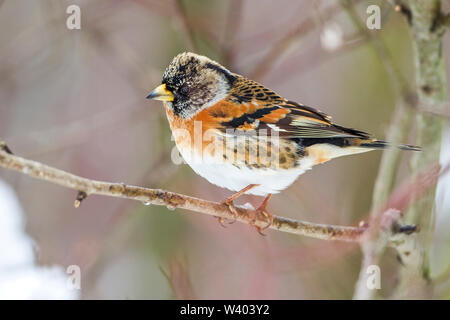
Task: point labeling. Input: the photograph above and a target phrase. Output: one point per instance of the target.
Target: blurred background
(75, 100)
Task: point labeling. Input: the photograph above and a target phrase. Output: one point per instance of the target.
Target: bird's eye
(183, 90)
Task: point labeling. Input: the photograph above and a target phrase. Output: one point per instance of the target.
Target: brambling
(282, 138)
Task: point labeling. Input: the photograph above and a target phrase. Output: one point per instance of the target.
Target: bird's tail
(379, 144)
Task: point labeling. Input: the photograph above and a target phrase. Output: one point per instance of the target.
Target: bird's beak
(161, 93)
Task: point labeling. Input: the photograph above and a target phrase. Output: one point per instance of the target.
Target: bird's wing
(251, 106)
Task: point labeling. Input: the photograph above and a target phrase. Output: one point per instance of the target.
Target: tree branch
(444, 20)
(185, 24)
(376, 239)
(284, 44)
(86, 187)
(427, 33)
(390, 160)
(232, 26)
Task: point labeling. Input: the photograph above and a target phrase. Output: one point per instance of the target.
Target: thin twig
(178, 277)
(285, 43)
(231, 29)
(4, 147)
(173, 200)
(289, 68)
(186, 25)
(398, 80)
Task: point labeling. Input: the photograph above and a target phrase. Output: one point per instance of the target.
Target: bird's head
(191, 83)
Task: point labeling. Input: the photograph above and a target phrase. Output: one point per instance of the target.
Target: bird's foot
(262, 215)
(230, 203)
(233, 210)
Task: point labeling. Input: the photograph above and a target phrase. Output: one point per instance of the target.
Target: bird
(240, 135)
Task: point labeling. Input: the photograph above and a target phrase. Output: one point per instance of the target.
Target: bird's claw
(221, 221)
(267, 216)
(233, 211)
(261, 211)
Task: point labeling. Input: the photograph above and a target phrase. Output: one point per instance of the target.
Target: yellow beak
(161, 93)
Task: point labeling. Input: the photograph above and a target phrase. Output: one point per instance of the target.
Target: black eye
(184, 90)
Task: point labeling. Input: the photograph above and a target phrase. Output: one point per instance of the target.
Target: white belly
(228, 176)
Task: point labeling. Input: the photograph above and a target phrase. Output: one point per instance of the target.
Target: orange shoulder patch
(275, 115)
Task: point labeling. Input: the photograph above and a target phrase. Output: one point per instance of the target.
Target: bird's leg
(262, 211)
(229, 202)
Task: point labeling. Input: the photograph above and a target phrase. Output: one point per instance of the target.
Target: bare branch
(398, 80)
(4, 147)
(86, 187)
(186, 25)
(178, 278)
(431, 82)
(444, 20)
(231, 28)
(398, 132)
(384, 228)
(285, 43)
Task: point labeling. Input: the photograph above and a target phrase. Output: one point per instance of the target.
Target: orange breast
(194, 133)
(189, 132)
(186, 130)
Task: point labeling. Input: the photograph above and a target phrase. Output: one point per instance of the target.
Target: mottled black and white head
(192, 83)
